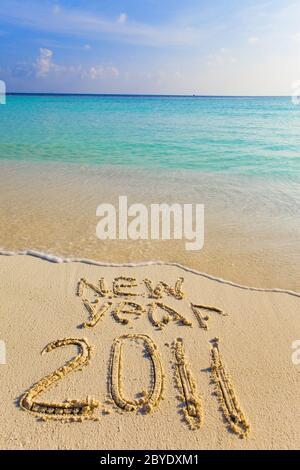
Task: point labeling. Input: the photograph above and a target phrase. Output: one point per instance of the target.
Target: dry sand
(39, 305)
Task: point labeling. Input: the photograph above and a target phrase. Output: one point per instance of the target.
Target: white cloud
(87, 47)
(45, 65)
(99, 72)
(44, 62)
(122, 18)
(253, 40)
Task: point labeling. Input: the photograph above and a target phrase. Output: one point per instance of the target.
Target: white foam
(58, 259)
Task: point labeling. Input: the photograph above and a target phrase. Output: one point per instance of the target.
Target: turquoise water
(257, 136)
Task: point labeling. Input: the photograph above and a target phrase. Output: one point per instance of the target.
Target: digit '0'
(150, 399)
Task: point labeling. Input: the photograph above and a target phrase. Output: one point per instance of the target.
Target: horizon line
(159, 95)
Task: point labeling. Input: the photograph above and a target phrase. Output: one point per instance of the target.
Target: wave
(59, 259)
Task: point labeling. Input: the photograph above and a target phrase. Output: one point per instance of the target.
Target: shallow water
(257, 136)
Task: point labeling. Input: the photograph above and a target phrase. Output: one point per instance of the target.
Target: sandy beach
(155, 379)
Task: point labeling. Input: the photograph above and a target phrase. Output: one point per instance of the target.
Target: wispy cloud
(41, 16)
(59, 44)
(100, 72)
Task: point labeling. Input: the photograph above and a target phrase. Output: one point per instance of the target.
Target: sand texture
(149, 357)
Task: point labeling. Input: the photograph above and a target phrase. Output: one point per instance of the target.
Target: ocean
(249, 136)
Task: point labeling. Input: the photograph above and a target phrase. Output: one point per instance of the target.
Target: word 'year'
(125, 288)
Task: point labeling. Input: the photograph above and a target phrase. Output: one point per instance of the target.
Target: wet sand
(251, 226)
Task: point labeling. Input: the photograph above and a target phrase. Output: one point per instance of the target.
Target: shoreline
(60, 259)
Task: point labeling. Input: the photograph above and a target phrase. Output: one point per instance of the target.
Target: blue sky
(150, 46)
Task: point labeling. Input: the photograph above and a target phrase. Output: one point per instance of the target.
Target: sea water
(253, 136)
